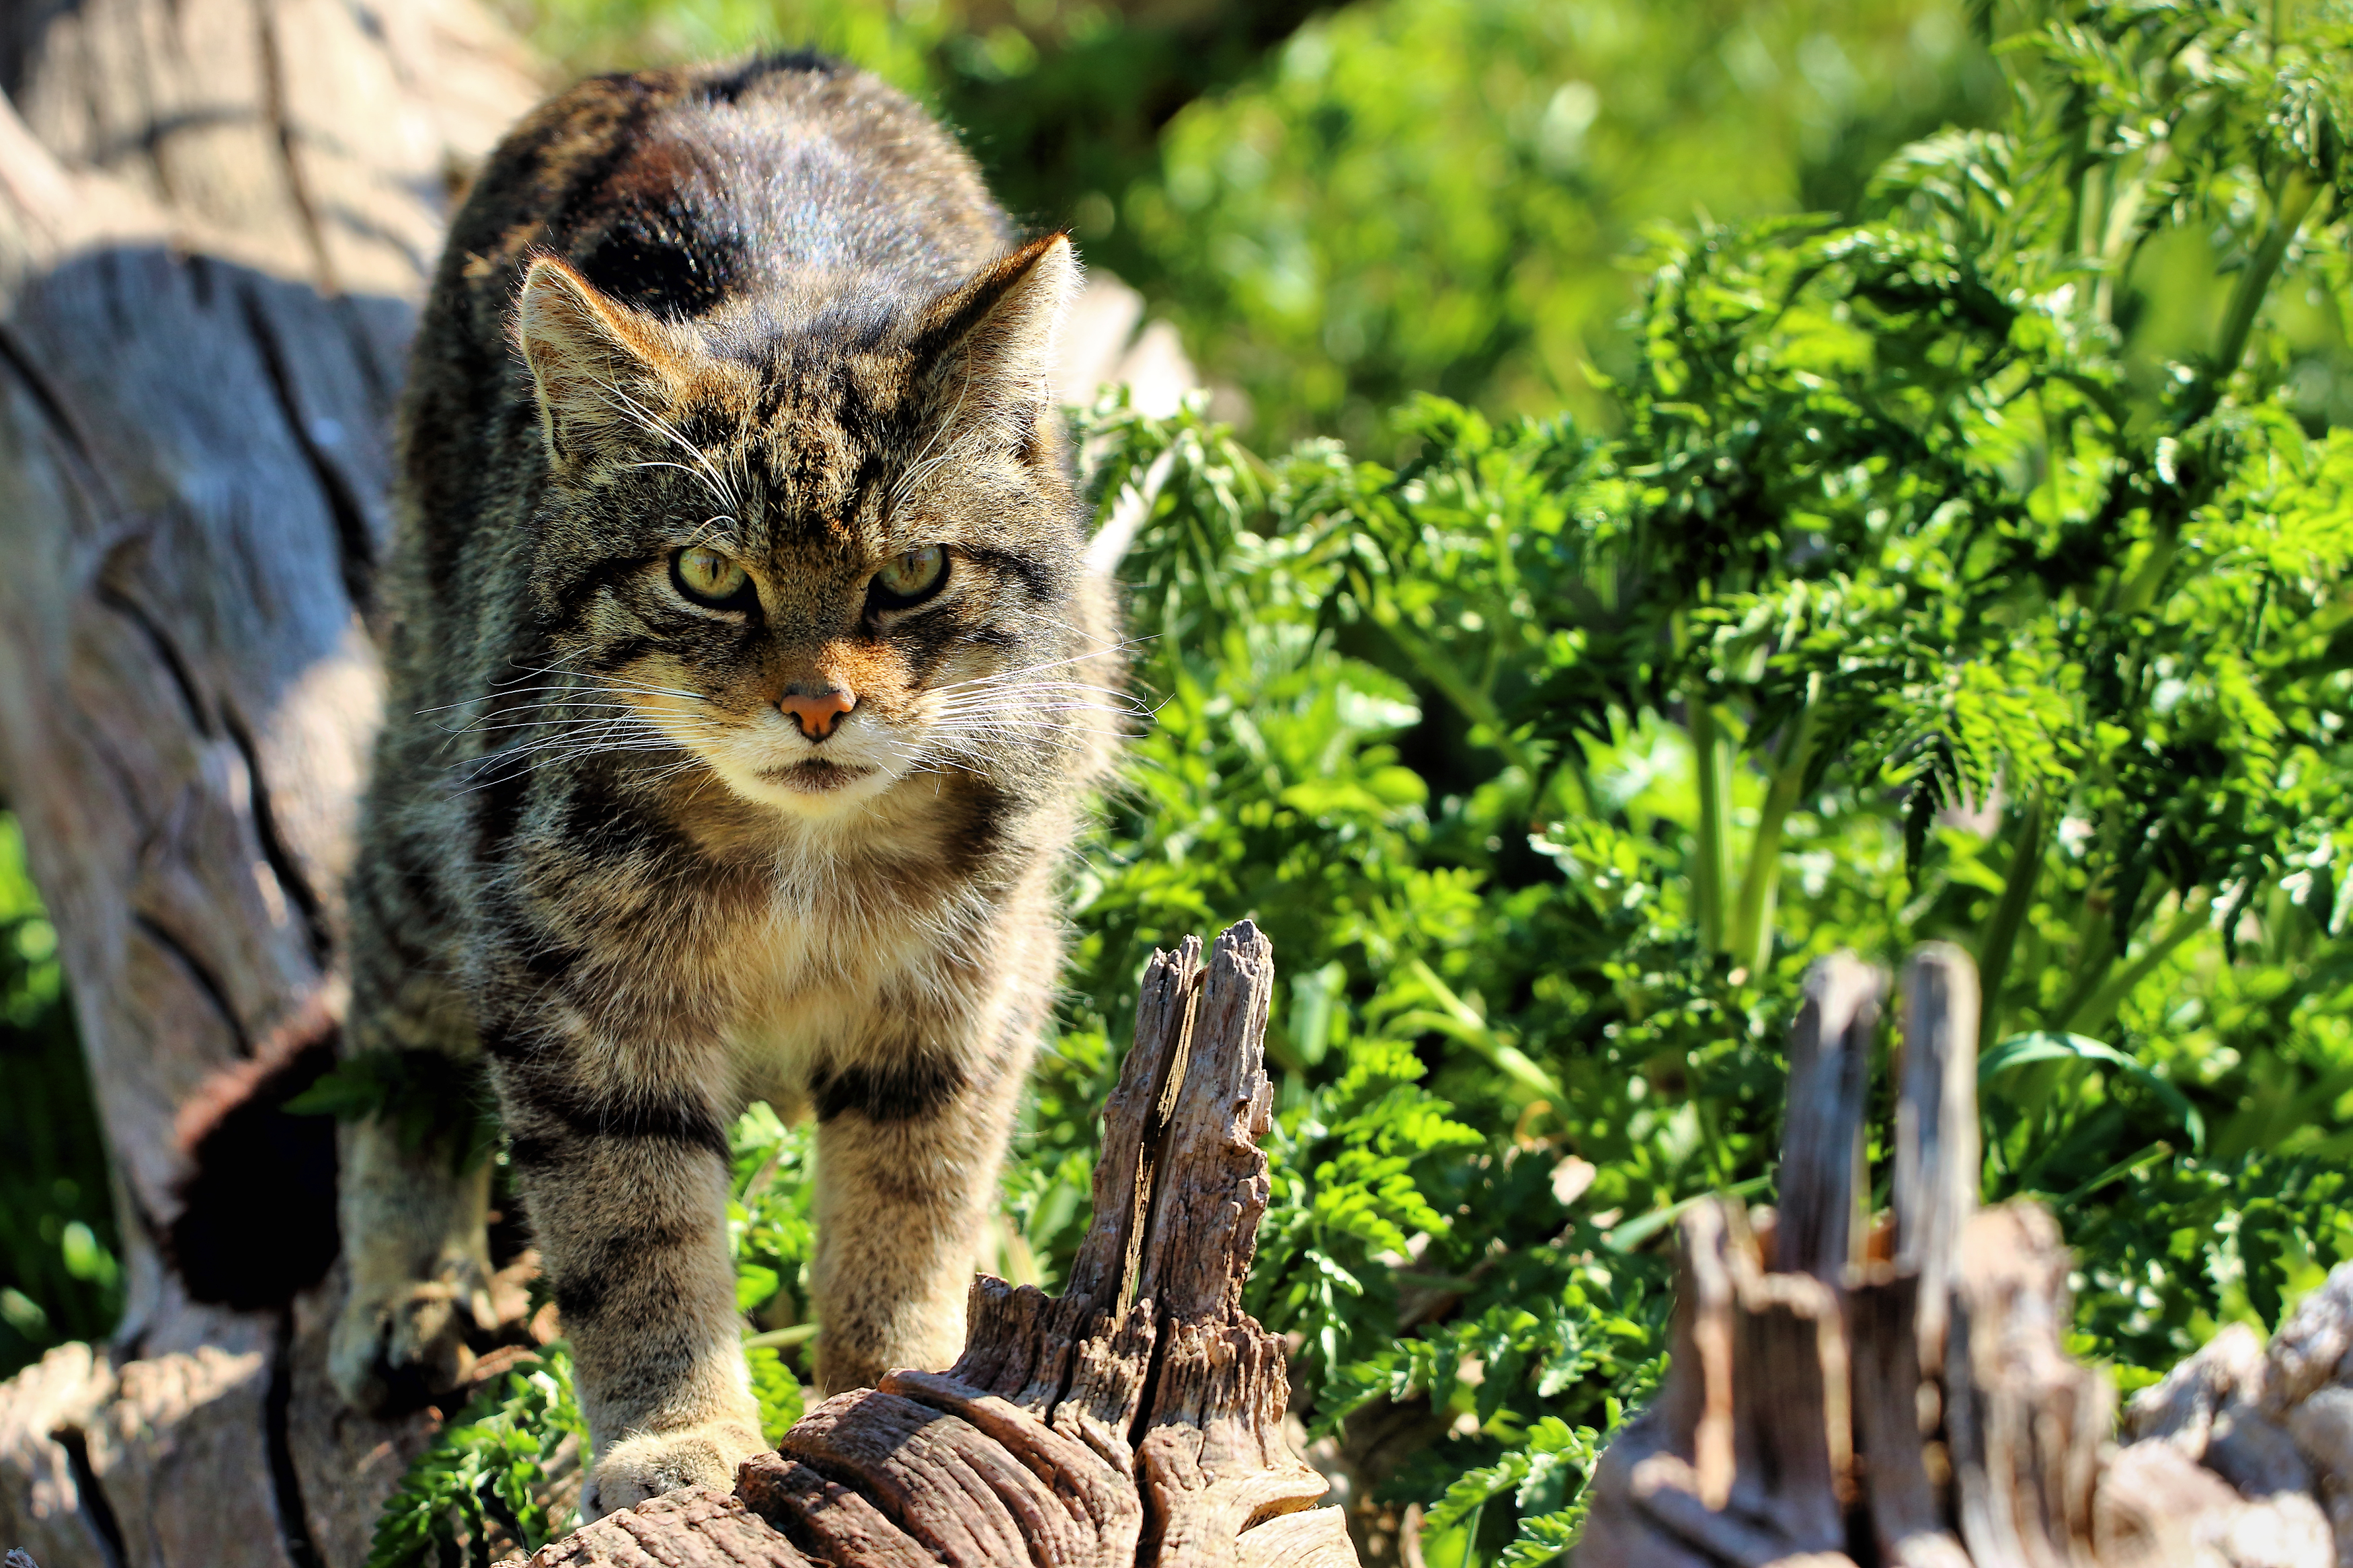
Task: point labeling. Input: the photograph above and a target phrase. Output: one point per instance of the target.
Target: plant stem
(2098, 1008)
(781, 1338)
(1712, 875)
(1472, 1031)
(2000, 935)
(2294, 204)
(1760, 879)
(2093, 957)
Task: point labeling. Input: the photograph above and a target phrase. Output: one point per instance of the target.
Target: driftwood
(1137, 1417)
(1900, 1394)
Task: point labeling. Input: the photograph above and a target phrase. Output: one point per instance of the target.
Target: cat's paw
(652, 1463)
(399, 1342)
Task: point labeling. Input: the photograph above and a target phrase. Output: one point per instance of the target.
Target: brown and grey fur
(767, 309)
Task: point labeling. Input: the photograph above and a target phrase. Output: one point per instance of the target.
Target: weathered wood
(215, 222)
(1136, 1418)
(1937, 1346)
(1822, 1137)
(1937, 1159)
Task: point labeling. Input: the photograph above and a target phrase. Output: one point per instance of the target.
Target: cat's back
(785, 193)
(682, 191)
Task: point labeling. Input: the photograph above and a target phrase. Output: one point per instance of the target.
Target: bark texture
(1136, 1418)
(1899, 1395)
(217, 218)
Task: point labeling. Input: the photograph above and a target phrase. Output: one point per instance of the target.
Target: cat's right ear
(593, 360)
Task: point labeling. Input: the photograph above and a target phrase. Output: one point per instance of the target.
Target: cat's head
(822, 556)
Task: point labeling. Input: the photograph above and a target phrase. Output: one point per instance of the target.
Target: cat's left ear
(992, 342)
(591, 357)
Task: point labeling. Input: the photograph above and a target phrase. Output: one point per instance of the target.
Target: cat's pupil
(708, 577)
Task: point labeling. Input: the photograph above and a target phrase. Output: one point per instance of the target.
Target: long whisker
(648, 419)
(608, 685)
(918, 470)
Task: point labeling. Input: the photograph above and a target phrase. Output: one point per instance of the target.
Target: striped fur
(765, 310)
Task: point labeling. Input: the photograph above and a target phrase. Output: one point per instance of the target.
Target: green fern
(487, 1474)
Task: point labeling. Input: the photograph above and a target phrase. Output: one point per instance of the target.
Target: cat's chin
(813, 787)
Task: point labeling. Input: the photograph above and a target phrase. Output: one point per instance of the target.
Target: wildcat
(746, 679)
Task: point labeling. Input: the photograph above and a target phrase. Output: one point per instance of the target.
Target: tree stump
(1900, 1394)
(1137, 1417)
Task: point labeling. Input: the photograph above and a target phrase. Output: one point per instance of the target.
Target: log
(216, 219)
(1901, 1395)
(1136, 1418)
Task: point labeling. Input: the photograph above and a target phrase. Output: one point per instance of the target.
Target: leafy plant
(59, 1275)
(482, 1488)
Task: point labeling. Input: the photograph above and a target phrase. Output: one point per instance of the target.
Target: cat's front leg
(420, 1270)
(908, 1155)
(627, 1189)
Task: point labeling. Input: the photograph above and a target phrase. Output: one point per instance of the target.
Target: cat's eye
(710, 578)
(917, 574)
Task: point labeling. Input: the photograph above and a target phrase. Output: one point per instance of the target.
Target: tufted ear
(992, 340)
(591, 357)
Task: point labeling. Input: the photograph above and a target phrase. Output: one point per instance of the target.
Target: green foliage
(59, 1278)
(1549, 762)
(1435, 195)
(769, 1225)
(480, 1491)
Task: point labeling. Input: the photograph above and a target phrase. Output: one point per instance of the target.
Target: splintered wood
(1136, 1418)
(1900, 1394)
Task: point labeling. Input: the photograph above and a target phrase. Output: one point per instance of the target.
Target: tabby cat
(746, 679)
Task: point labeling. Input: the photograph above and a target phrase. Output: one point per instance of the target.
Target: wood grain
(216, 217)
(1137, 1418)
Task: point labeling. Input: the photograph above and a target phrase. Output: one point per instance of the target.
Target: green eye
(708, 578)
(905, 579)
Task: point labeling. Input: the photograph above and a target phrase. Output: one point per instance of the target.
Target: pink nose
(815, 714)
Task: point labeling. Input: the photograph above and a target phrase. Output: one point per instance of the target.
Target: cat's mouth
(814, 776)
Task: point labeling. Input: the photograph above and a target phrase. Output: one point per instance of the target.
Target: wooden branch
(1136, 1418)
(1910, 1399)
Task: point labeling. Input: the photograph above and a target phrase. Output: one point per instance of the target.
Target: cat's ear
(992, 342)
(591, 357)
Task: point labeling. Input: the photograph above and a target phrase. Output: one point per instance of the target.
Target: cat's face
(825, 566)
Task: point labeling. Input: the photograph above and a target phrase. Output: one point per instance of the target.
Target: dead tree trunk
(1137, 1417)
(1899, 1395)
(216, 219)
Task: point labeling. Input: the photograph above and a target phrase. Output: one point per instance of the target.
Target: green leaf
(2042, 1046)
